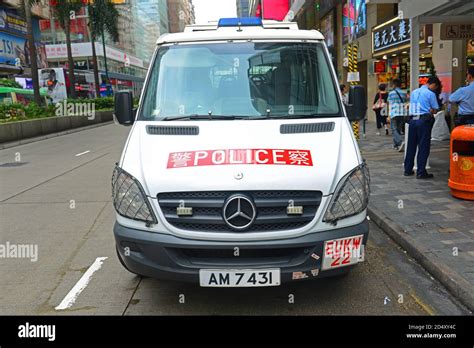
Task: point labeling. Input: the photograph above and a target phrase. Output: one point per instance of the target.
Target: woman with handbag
(380, 108)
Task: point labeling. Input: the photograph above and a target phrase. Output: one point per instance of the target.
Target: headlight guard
(351, 196)
(129, 198)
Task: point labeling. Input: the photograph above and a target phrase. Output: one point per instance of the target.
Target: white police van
(241, 168)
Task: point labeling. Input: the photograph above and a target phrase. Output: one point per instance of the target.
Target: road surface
(55, 194)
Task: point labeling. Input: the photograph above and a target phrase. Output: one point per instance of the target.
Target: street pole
(53, 27)
(352, 52)
(414, 52)
(32, 52)
(414, 71)
(105, 57)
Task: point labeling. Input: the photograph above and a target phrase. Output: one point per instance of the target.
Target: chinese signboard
(390, 35)
(457, 31)
(84, 49)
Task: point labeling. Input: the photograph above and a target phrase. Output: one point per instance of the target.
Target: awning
(438, 11)
(6, 69)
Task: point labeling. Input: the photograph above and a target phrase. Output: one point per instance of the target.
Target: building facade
(151, 21)
(14, 47)
(125, 69)
(243, 8)
(383, 33)
(180, 14)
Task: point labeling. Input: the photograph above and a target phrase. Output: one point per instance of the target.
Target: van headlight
(130, 199)
(351, 196)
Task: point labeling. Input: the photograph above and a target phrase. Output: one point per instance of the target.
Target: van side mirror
(124, 113)
(357, 107)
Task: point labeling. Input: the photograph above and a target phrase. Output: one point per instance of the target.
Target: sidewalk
(434, 228)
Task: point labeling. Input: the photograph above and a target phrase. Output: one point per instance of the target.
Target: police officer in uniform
(423, 107)
(464, 97)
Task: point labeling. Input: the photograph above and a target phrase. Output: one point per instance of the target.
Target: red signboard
(186, 159)
(274, 9)
(117, 82)
(380, 67)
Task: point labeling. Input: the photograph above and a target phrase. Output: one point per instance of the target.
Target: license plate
(239, 278)
(343, 252)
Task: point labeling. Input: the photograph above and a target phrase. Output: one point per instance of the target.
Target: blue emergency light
(241, 22)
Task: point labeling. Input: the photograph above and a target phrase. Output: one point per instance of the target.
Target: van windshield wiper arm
(200, 117)
(309, 116)
(232, 117)
(286, 117)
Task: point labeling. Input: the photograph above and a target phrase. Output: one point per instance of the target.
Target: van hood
(241, 155)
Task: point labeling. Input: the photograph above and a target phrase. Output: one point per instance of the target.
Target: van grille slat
(172, 130)
(324, 127)
(271, 209)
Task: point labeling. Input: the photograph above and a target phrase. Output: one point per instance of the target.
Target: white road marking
(71, 297)
(82, 153)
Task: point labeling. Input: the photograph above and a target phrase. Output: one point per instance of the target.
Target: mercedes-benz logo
(239, 212)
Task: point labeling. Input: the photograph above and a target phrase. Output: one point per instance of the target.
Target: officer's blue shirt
(422, 100)
(464, 96)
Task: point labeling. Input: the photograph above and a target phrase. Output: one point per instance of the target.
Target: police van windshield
(248, 80)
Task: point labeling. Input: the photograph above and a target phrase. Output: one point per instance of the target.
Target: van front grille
(172, 130)
(271, 209)
(323, 127)
(247, 256)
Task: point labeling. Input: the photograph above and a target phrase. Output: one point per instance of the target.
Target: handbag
(379, 104)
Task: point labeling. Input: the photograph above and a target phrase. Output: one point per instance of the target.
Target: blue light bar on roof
(241, 22)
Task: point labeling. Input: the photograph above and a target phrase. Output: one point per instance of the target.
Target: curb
(11, 144)
(456, 285)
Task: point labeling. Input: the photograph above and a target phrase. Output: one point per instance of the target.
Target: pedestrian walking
(397, 99)
(423, 107)
(464, 97)
(380, 108)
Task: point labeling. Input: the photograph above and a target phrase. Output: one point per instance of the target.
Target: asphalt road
(55, 194)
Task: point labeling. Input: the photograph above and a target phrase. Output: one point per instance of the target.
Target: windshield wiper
(286, 117)
(250, 118)
(308, 116)
(201, 117)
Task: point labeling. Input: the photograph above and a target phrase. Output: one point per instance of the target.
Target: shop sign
(353, 76)
(80, 64)
(275, 9)
(12, 23)
(457, 31)
(354, 19)
(14, 50)
(380, 67)
(392, 34)
(84, 49)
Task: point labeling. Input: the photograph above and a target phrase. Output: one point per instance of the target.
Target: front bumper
(164, 256)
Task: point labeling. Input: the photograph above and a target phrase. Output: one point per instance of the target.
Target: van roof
(270, 30)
